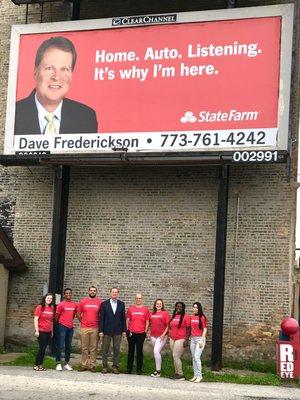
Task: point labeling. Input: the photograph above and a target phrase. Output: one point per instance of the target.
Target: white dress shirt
(42, 112)
(114, 304)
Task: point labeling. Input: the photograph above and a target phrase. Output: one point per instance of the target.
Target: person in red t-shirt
(137, 320)
(43, 325)
(88, 314)
(159, 326)
(198, 337)
(64, 316)
(179, 332)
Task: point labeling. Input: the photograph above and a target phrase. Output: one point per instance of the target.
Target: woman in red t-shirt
(198, 337)
(159, 326)
(43, 325)
(179, 332)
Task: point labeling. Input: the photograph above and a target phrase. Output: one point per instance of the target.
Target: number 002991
(255, 156)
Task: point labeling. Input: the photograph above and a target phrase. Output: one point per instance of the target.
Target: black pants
(44, 340)
(135, 340)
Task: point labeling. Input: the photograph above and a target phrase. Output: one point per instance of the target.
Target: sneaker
(59, 367)
(178, 377)
(198, 379)
(156, 374)
(104, 370)
(68, 367)
(39, 368)
(193, 379)
(93, 369)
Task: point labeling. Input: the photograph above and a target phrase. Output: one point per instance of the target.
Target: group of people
(110, 321)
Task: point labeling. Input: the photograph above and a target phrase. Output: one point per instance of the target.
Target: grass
(266, 367)
(2, 350)
(265, 379)
(28, 359)
(254, 373)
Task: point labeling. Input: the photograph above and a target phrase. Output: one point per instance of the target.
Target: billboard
(189, 82)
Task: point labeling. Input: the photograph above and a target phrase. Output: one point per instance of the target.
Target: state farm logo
(205, 116)
(188, 117)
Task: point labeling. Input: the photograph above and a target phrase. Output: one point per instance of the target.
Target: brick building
(151, 228)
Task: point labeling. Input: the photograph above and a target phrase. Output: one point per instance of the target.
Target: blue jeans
(196, 355)
(64, 339)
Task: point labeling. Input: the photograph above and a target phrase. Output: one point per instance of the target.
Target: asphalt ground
(22, 383)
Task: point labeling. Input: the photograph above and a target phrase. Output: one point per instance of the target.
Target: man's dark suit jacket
(110, 323)
(75, 117)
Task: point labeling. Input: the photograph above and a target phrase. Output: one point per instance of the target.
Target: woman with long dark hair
(159, 326)
(198, 338)
(179, 332)
(43, 325)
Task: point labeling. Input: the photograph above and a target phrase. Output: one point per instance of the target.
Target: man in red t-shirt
(64, 316)
(137, 321)
(88, 314)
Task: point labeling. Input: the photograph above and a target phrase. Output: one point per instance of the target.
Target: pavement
(22, 383)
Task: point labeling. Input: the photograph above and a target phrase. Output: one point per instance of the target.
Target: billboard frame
(285, 11)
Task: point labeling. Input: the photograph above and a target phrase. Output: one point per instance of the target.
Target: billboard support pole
(58, 240)
(220, 263)
(59, 228)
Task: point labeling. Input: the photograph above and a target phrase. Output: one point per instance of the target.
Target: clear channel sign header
(189, 82)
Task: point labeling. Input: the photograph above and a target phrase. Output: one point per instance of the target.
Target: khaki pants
(177, 352)
(89, 344)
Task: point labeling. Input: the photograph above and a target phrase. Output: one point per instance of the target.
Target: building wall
(153, 229)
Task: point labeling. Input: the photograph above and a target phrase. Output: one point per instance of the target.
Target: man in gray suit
(112, 325)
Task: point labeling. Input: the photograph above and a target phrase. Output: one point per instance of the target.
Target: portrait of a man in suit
(46, 110)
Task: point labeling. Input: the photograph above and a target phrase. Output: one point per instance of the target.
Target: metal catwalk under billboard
(198, 82)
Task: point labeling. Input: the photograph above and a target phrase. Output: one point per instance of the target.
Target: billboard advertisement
(188, 82)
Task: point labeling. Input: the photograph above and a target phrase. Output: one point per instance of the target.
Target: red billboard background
(238, 82)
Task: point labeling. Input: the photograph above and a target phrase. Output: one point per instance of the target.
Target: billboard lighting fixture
(21, 2)
(122, 149)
